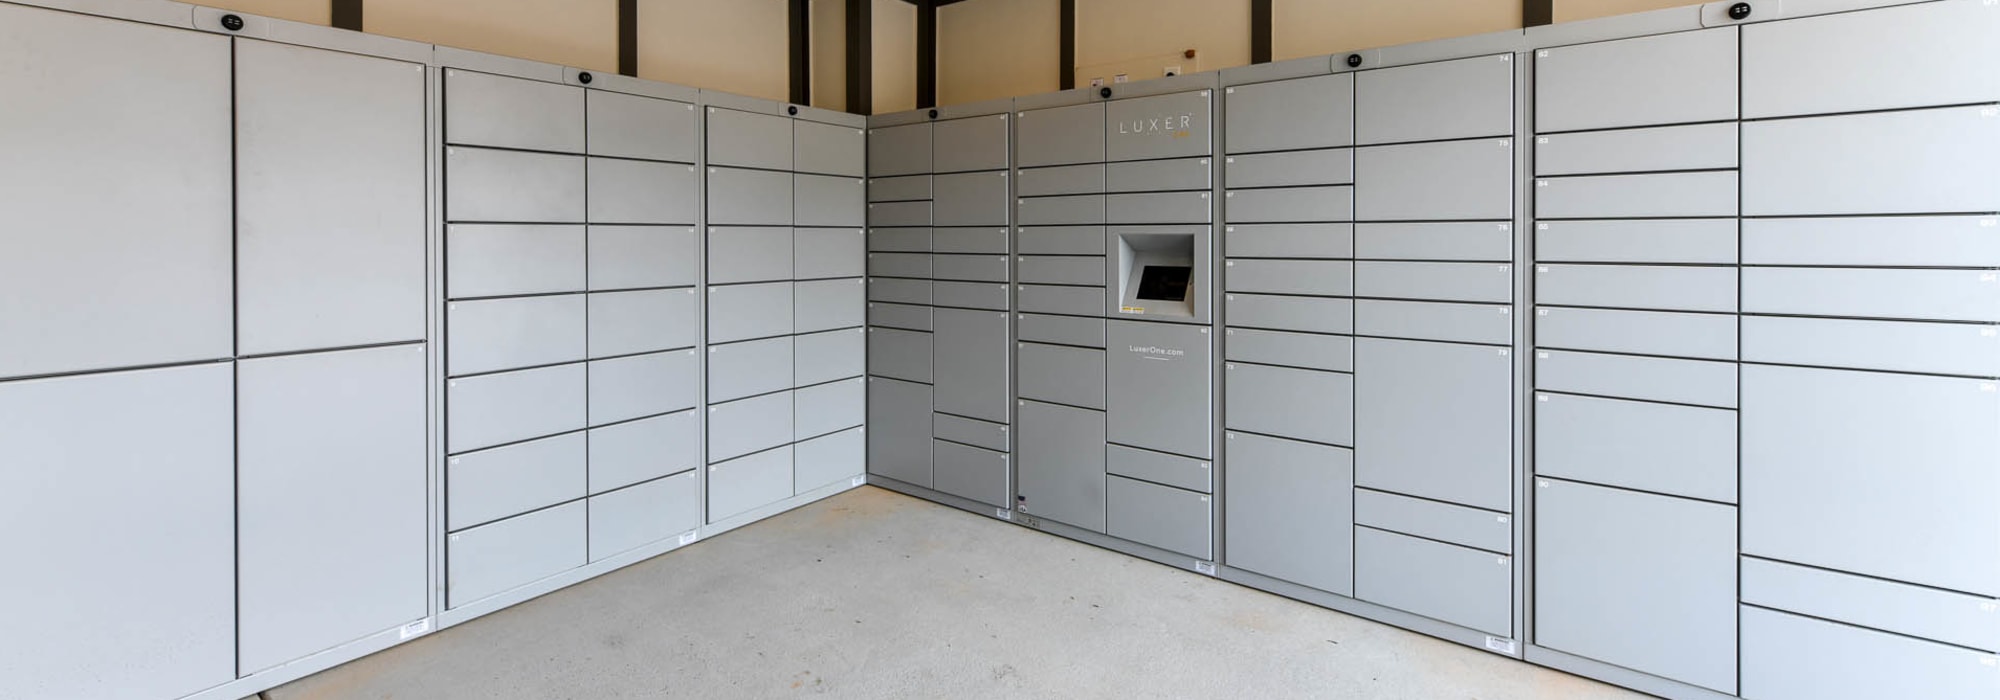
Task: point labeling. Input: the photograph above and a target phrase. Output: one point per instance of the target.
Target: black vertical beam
(1067, 62)
(860, 69)
(347, 14)
(1535, 13)
(1260, 31)
(628, 37)
(926, 54)
(800, 23)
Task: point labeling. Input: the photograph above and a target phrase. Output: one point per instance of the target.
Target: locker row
(499, 186)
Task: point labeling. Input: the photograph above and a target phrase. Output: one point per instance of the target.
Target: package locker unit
(940, 348)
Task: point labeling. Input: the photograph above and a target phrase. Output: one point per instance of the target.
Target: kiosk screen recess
(1164, 283)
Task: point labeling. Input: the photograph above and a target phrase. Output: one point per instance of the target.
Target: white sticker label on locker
(1205, 567)
(1544, 483)
(1003, 514)
(1987, 387)
(1541, 356)
(1542, 398)
(415, 628)
(857, 481)
(1504, 646)
(689, 537)
(1501, 518)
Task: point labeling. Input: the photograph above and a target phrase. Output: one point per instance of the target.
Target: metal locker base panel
(1173, 519)
(1618, 675)
(503, 482)
(492, 558)
(836, 458)
(1462, 586)
(645, 449)
(971, 472)
(648, 512)
(1289, 511)
(1789, 656)
(1060, 464)
(747, 482)
(499, 260)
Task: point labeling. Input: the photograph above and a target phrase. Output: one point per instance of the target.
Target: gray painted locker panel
(1674, 450)
(1637, 580)
(1659, 241)
(147, 281)
(916, 318)
(1289, 204)
(1157, 208)
(828, 408)
(501, 408)
(750, 197)
(742, 312)
(1689, 147)
(1295, 403)
(112, 479)
(623, 323)
(502, 482)
(1465, 98)
(1324, 167)
(975, 295)
(1881, 474)
(1074, 270)
(1435, 241)
(1061, 330)
(970, 352)
(1429, 320)
(828, 459)
(828, 149)
(899, 291)
(485, 260)
(975, 143)
(1680, 287)
(1325, 278)
(1314, 112)
(916, 265)
(1313, 315)
(1664, 79)
(899, 430)
(330, 207)
(1290, 240)
(624, 257)
(822, 200)
(643, 385)
(1437, 422)
(1961, 295)
(493, 558)
(819, 253)
(1074, 301)
(982, 268)
(640, 192)
(970, 199)
(1919, 55)
(1287, 505)
(1060, 374)
(1435, 181)
(1707, 193)
(1446, 281)
(899, 150)
(893, 240)
(824, 357)
(1159, 467)
(749, 140)
(1060, 464)
(1060, 136)
(739, 370)
(1062, 240)
(899, 189)
(513, 186)
(742, 484)
(1071, 209)
(900, 354)
(1871, 602)
(1702, 336)
(1462, 586)
(1333, 353)
(645, 449)
(497, 334)
(829, 304)
(971, 240)
(1161, 516)
(1069, 179)
(627, 518)
(739, 428)
(1158, 175)
(1157, 383)
(1696, 382)
(1160, 126)
(1899, 346)
(977, 433)
(1922, 161)
(631, 126)
(899, 214)
(1478, 529)
(1788, 656)
(493, 110)
(970, 472)
(1933, 241)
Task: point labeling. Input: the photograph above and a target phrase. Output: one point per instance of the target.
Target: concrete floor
(873, 594)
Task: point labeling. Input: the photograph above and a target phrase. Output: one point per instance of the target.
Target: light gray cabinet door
(487, 185)
(640, 192)
(1158, 387)
(1060, 463)
(750, 254)
(1898, 346)
(631, 257)
(1333, 166)
(1332, 353)
(1087, 178)
(1491, 324)
(970, 199)
(1060, 136)
(499, 334)
(1639, 241)
(1921, 55)
(819, 253)
(971, 472)
(482, 109)
(1677, 288)
(1702, 193)
(899, 430)
(1919, 162)
(1706, 336)
(742, 427)
(494, 558)
(1663, 148)
(1452, 180)
(901, 354)
(987, 240)
(633, 126)
(113, 479)
(1662, 448)
(1452, 240)
(140, 114)
(1441, 581)
(624, 323)
(1314, 277)
(899, 214)
(1901, 241)
(1890, 606)
(1159, 175)
(1464, 98)
(1185, 473)
(1309, 314)
(628, 453)
(749, 140)
(1293, 403)
(330, 500)
(508, 407)
(1435, 520)
(1441, 281)
(1793, 656)
(1289, 204)
(1062, 240)
(828, 408)
(900, 150)
(751, 482)
(737, 370)
(1289, 511)
(822, 305)
(824, 357)
(329, 199)
(1172, 519)
(500, 483)
(749, 197)
(747, 311)
(500, 260)
(628, 518)
(1946, 295)
(966, 431)
(821, 200)
(1061, 374)
(1435, 420)
(1316, 112)
(970, 357)
(1671, 380)
(643, 385)
(908, 188)
(828, 460)
(1664, 79)
(973, 143)
(898, 240)
(829, 149)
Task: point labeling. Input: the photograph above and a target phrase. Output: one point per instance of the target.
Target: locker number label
(688, 538)
(415, 628)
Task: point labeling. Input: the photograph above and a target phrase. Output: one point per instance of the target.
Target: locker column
(899, 299)
(830, 298)
(972, 333)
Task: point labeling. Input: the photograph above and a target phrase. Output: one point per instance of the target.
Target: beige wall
(1141, 37)
(312, 11)
(1571, 10)
(569, 32)
(1302, 28)
(893, 56)
(738, 46)
(989, 49)
(829, 54)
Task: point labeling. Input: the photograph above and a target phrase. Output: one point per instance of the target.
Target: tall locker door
(899, 430)
(331, 501)
(970, 351)
(114, 194)
(1060, 464)
(330, 199)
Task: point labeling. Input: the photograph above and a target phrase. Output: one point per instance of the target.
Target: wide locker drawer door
(623, 323)
(1186, 473)
(899, 430)
(1158, 175)
(828, 148)
(1900, 608)
(1661, 448)
(1435, 181)
(1068, 209)
(749, 139)
(488, 485)
(971, 295)
(1665, 79)
(1879, 474)
(1158, 395)
(973, 143)
(971, 472)
(899, 214)
(1157, 208)
(1705, 336)
(1290, 511)
(828, 408)
(1789, 656)
(1678, 288)
(1454, 240)
(739, 485)
(831, 355)
(1289, 240)
(970, 352)
(1694, 382)
(1926, 161)
(820, 253)
(1657, 149)
(1068, 179)
(631, 257)
(1161, 126)
(1598, 550)
(1315, 277)
(1638, 241)
(823, 305)
(1332, 353)
(821, 200)
(1446, 582)
(899, 240)
(632, 126)
(638, 515)
(1289, 204)
(1457, 99)
(748, 311)
(1435, 420)
(514, 552)
(900, 354)
(1899, 241)
(1309, 314)
(1324, 167)
(1161, 516)
(900, 150)
(966, 431)
(1293, 403)
(1062, 374)
(508, 407)
(1919, 55)
(829, 459)
(491, 110)
(1072, 301)
(912, 265)
(1061, 464)
(978, 268)
(628, 453)
(1071, 270)
(640, 192)
(1490, 324)
(739, 428)
(513, 186)
(504, 260)
(644, 385)
(1061, 330)
(1955, 295)
(899, 316)
(1435, 520)
(749, 368)
(498, 334)
(1059, 136)
(1898, 346)
(750, 197)
(1473, 282)
(987, 240)
(970, 199)
(899, 189)
(1316, 112)
(1703, 193)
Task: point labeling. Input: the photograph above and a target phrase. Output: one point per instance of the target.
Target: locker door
(899, 150)
(1315, 112)
(1664, 79)
(828, 149)
(1289, 511)
(974, 143)
(1434, 420)
(971, 363)
(492, 110)
(1060, 464)
(1465, 98)
(1060, 136)
(633, 126)
(899, 430)
(1161, 126)
(1157, 387)
(748, 139)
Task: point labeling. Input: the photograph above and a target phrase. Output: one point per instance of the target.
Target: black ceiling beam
(1535, 13)
(860, 95)
(799, 22)
(347, 14)
(1066, 61)
(1260, 31)
(628, 37)
(927, 54)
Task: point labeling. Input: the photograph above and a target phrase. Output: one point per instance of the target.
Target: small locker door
(1060, 136)
(973, 143)
(899, 150)
(971, 363)
(1315, 112)
(1060, 464)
